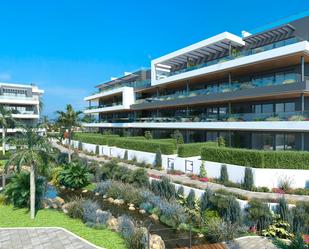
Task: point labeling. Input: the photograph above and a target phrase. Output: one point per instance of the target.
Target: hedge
(93, 138)
(194, 149)
(143, 145)
(257, 158)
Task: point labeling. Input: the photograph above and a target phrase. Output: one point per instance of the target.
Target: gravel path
(186, 180)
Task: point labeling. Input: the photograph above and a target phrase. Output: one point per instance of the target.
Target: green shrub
(177, 136)
(75, 175)
(93, 138)
(221, 142)
(205, 200)
(191, 199)
(148, 135)
(194, 149)
(248, 179)
(224, 177)
(55, 175)
(203, 172)
(125, 156)
(97, 150)
(80, 145)
(17, 191)
(259, 214)
(228, 208)
(257, 158)
(158, 159)
(283, 210)
(299, 219)
(180, 191)
(74, 208)
(143, 145)
(140, 178)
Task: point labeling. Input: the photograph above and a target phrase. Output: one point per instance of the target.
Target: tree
(203, 172)
(6, 120)
(158, 159)
(248, 179)
(33, 151)
(68, 120)
(178, 137)
(224, 177)
(148, 135)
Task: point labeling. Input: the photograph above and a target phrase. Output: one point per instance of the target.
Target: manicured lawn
(11, 217)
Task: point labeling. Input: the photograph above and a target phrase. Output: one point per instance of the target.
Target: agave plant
(18, 190)
(75, 176)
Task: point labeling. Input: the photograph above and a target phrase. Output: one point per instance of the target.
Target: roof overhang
(210, 46)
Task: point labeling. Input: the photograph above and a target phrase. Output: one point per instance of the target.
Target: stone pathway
(187, 181)
(251, 242)
(41, 238)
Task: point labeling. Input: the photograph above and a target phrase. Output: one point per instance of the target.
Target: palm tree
(6, 120)
(32, 151)
(68, 120)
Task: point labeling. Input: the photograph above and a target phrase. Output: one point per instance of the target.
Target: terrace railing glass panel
(235, 55)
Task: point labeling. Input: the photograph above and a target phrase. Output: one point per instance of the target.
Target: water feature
(171, 237)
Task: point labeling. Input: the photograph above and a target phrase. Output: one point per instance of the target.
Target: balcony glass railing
(104, 105)
(134, 84)
(235, 55)
(239, 117)
(15, 96)
(273, 80)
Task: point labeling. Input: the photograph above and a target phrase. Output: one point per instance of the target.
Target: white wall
(262, 177)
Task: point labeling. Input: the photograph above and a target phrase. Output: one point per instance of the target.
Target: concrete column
(302, 61)
(302, 99)
(302, 141)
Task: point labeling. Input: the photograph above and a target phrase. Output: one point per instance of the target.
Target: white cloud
(5, 76)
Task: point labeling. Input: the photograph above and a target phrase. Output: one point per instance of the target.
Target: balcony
(237, 117)
(235, 55)
(134, 84)
(280, 78)
(105, 108)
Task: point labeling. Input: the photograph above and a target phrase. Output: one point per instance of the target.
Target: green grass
(11, 217)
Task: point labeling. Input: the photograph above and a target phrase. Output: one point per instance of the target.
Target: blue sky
(66, 47)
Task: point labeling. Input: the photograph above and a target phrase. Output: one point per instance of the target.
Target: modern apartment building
(252, 89)
(23, 101)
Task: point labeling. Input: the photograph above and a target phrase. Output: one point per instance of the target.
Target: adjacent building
(252, 89)
(23, 101)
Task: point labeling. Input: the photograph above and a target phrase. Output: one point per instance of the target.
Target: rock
(142, 211)
(59, 201)
(200, 235)
(85, 191)
(104, 196)
(65, 208)
(112, 223)
(154, 217)
(156, 242)
(119, 201)
(131, 205)
(62, 187)
(110, 199)
(54, 206)
(131, 208)
(97, 194)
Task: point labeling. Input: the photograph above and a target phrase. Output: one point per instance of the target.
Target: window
(262, 141)
(279, 107)
(267, 108)
(290, 107)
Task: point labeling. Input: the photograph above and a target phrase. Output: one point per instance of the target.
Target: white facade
(23, 101)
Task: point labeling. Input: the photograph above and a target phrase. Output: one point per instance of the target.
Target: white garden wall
(262, 177)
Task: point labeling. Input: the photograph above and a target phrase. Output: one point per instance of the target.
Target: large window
(262, 141)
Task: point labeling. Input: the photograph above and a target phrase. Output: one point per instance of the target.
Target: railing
(235, 55)
(279, 79)
(238, 117)
(103, 106)
(134, 84)
(4, 96)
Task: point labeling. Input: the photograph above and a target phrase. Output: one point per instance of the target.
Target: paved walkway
(251, 242)
(187, 181)
(41, 238)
